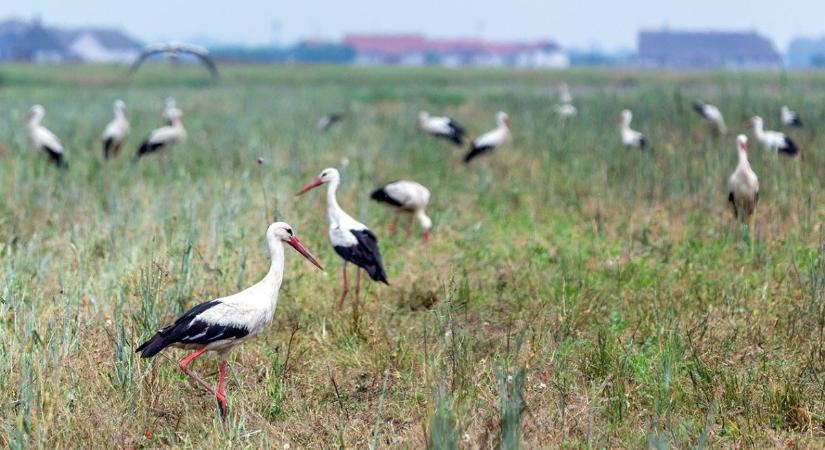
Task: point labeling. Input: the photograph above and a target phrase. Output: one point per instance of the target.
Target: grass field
(574, 293)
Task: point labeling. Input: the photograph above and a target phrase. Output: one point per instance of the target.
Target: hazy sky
(580, 23)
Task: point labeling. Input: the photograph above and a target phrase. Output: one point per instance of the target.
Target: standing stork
(170, 110)
(712, 115)
(743, 185)
(631, 137)
(441, 127)
(772, 140)
(222, 324)
(565, 107)
(408, 197)
(116, 131)
(789, 117)
(328, 120)
(351, 239)
(161, 138)
(174, 50)
(490, 140)
(44, 140)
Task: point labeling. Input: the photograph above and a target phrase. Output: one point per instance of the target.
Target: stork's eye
(289, 231)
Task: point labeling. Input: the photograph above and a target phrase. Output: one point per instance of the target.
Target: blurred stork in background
(44, 140)
(116, 131)
(407, 197)
(789, 117)
(630, 137)
(174, 50)
(712, 115)
(772, 140)
(161, 138)
(328, 120)
(441, 127)
(490, 140)
(565, 107)
(170, 110)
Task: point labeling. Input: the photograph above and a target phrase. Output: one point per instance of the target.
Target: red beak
(312, 184)
(297, 245)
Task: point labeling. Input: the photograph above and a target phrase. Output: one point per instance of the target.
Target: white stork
(490, 140)
(328, 120)
(116, 131)
(772, 140)
(565, 110)
(408, 197)
(351, 239)
(170, 110)
(44, 140)
(161, 138)
(222, 324)
(441, 127)
(564, 94)
(743, 185)
(631, 137)
(712, 115)
(789, 117)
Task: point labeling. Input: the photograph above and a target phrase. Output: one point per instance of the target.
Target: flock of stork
(222, 324)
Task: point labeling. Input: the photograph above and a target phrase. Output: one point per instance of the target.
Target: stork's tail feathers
(380, 195)
(789, 148)
(153, 346)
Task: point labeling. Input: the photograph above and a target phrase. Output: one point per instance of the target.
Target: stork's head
(503, 119)
(119, 106)
(755, 122)
(281, 232)
(170, 103)
(422, 116)
(328, 175)
(785, 109)
(625, 117)
(742, 143)
(35, 114)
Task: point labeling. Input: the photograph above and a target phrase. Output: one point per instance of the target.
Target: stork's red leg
(357, 287)
(346, 287)
(184, 363)
(409, 226)
(394, 224)
(221, 395)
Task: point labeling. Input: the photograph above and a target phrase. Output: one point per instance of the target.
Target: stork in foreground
(712, 115)
(44, 140)
(351, 239)
(116, 131)
(790, 118)
(441, 127)
(170, 110)
(631, 137)
(408, 197)
(490, 140)
(772, 140)
(744, 185)
(161, 138)
(220, 325)
(328, 120)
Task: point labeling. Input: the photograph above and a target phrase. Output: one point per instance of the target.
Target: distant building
(33, 42)
(706, 50)
(417, 50)
(806, 53)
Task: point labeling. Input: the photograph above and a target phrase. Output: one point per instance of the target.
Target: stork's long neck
(333, 209)
(271, 283)
(743, 159)
(758, 129)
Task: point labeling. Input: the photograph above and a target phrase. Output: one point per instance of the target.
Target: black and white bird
(44, 140)
(116, 131)
(630, 137)
(407, 197)
(490, 140)
(712, 115)
(328, 120)
(565, 108)
(161, 138)
(743, 193)
(170, 110)
(173, 50)
(441, 127)
(222, 324)
(789, 117)
(773, 140)
(351, 239)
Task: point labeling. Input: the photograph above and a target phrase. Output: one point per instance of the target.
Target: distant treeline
(310, 53)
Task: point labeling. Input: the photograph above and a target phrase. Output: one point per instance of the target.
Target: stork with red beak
(351, 239)
(43, 139)
(115, 131)
(490, 140)
(744, 185)
(220, 325)
(630, 137)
